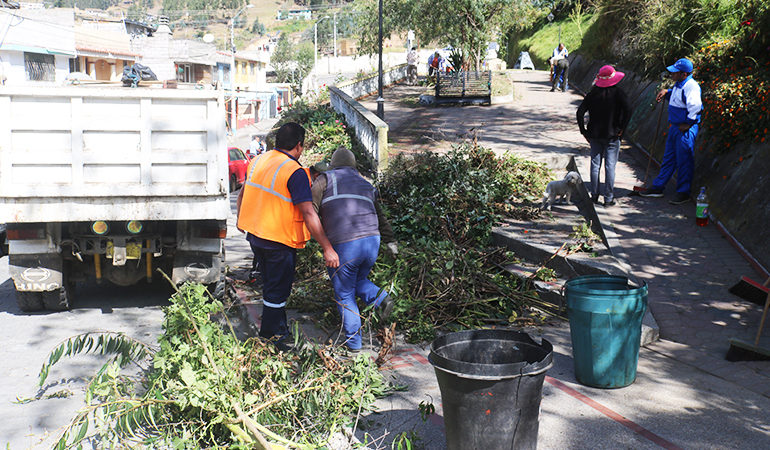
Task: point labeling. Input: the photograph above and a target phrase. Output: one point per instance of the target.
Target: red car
(237, 162)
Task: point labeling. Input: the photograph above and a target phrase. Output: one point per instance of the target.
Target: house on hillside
(37, 45)
(183, 60)
(254, 100)
(102, 54)
(306, 14)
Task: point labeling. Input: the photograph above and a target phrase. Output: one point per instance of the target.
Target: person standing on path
(684, 115)
(560, 67)
(608, 115)
(411, 65)
(275, 209)
(254, 147)
(354, 222)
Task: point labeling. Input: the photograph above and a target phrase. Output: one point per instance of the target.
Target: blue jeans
(679, 156)
(277, 268)
(608, 150)
(349, 281)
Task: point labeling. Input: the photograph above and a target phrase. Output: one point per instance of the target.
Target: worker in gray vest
(354, 223)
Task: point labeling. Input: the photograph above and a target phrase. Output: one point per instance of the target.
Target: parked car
(237, 163)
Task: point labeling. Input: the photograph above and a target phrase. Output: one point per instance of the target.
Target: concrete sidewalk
(686, 395)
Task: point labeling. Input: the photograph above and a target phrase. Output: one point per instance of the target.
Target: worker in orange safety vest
(275, 210)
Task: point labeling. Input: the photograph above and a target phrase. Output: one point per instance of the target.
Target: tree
(292, 64)
(467, 25)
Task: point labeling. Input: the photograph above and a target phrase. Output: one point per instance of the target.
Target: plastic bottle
(702, 209)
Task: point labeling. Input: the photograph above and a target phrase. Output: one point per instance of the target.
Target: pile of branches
(205, 388)
(446, 274)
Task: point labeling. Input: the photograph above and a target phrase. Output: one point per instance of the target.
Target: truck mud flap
(200, 267)
(36, 273)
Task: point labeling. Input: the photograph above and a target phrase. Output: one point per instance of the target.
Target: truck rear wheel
(29, 301)
(58, 300)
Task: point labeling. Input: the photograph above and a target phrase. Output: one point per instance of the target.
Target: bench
(464, 87)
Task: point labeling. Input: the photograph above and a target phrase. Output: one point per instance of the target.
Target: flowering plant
(735, 80)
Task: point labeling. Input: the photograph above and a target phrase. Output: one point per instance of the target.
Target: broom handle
(654, 141)
(764, 315)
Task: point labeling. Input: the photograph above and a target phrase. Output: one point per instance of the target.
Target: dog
(560, 188)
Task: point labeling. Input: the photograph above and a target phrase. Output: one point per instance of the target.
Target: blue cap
(683, 65)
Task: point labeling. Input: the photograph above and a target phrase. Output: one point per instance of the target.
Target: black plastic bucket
(491, 384)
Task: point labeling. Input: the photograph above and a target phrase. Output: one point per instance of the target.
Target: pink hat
(608, 76)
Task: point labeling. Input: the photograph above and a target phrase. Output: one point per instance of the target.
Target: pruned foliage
(205, 388)
(442, 208)
(459, 196)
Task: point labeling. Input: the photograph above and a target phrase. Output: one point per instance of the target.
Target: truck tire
(58, 300)
(29, 301)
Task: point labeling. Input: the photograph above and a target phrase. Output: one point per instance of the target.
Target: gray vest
(347, 209)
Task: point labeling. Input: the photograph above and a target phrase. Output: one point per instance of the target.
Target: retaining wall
(737, 182)
(370, 130)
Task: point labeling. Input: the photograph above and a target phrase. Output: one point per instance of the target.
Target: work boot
(653, 192)
(679, 198)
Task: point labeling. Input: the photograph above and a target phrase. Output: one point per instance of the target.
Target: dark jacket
(608, 113)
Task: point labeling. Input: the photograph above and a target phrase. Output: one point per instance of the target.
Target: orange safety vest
(266, 208)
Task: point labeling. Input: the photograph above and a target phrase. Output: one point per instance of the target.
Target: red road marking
(636, 428)
(420, 359)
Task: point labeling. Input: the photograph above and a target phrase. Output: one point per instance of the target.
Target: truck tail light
(100, 227)
(134, 227)
(26, 233)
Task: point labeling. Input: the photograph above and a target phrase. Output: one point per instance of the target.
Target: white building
(36, 45)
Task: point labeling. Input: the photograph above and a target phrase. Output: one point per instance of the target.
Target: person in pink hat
(608, 115)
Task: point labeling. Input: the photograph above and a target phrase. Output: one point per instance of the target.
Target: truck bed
(82, 154)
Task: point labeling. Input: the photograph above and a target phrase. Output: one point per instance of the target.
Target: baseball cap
(683, 65)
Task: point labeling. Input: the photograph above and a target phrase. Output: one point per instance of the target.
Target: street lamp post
(233, 106)
(315, 40)
(380, 99)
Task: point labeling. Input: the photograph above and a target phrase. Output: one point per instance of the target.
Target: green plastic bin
(605, 317)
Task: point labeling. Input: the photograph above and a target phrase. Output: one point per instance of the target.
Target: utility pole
(315, 42)
(233, 104)
(380, 99)
(335, 41)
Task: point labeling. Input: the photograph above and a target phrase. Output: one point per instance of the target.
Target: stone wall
(370, 130)
(737, 182)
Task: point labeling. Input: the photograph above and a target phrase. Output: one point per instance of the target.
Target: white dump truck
(111, 183)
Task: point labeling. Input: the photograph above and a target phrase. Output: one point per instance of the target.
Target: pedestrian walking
(608, 115)
(411, 66)
(684, 115)
(560, 68)
(275, 209)
(355, 224)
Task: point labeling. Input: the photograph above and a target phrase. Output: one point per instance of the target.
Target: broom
(750, 290)
(637, 190)
(746, 351)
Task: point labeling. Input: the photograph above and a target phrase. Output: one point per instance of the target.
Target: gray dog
(560, 188)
